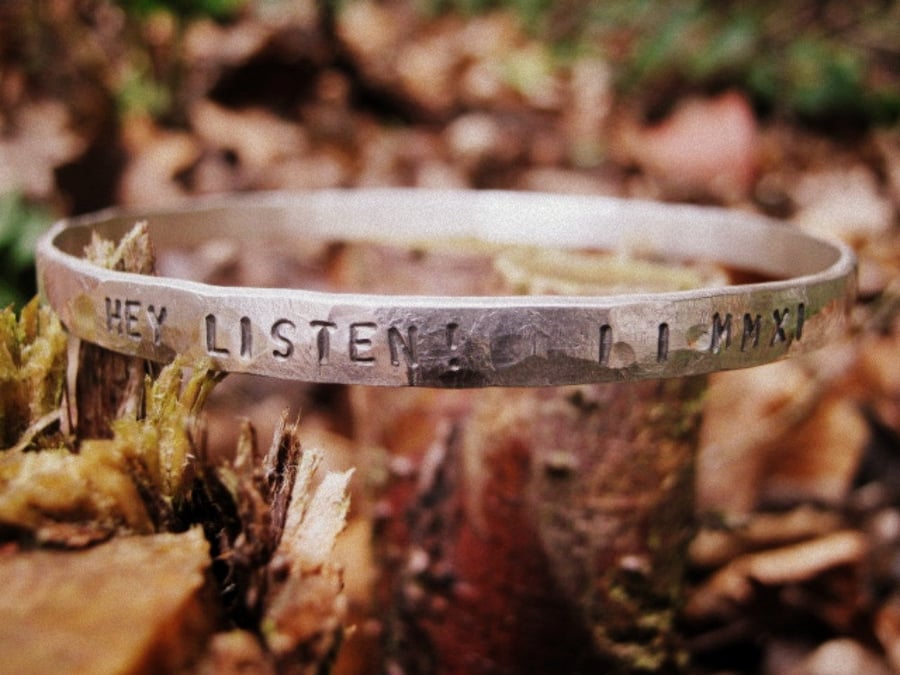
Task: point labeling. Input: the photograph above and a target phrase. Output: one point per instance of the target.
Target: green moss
(32, 372)
(163, 437)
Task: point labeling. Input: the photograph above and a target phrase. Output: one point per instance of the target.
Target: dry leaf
(733, 584)
(41, 142)
(706, 147)
(842, 202)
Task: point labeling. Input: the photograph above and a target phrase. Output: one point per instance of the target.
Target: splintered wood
(197, 544)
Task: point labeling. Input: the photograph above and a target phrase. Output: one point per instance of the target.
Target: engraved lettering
(124, 317)
(246, 337)
(407, 347)
(605, 343)
(211, 347)
(452, 329)
(156, 320)
(779, 335)
(361, 341)
(721, 332)
(323, 339)
(131, 319)
(752, 328)
(662, 343)
(114, 315)
(801, 319)
(278, 336)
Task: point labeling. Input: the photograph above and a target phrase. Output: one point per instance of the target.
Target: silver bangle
(458, 341)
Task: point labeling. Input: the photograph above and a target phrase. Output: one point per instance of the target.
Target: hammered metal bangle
(447, 341)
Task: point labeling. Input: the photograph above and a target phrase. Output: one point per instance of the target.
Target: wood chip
(132, 605)
(305, 607)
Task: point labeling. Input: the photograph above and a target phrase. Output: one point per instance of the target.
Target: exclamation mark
(452, 345)
(605, 343)
(662, 344)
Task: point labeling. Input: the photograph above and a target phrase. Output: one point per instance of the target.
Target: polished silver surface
(458, 341)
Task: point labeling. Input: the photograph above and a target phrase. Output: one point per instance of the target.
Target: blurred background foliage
(222, 10)
(819, 60)
(829, 64)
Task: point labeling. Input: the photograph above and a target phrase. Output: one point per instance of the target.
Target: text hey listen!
(356, 341)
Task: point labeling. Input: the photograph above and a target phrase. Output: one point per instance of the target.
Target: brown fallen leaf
(705, 148)
(733, 584)
(758, 531)
(818, 459)
(842, 656)
(745, 414)
(156, 158)
(40, 142)
(842, 202)
(256, 137)
(887, 628)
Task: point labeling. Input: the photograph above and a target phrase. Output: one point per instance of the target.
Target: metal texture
(458, 341)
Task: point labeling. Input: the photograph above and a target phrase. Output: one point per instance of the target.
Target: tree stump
(125, 545)
(528, 530)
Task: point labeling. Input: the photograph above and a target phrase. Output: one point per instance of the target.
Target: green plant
(21, 224)
(219, 10)
(799, 57)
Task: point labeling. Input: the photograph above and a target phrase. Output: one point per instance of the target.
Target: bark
(109, 385)
(532, 531)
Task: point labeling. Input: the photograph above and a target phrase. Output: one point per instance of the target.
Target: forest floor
(796, 561)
